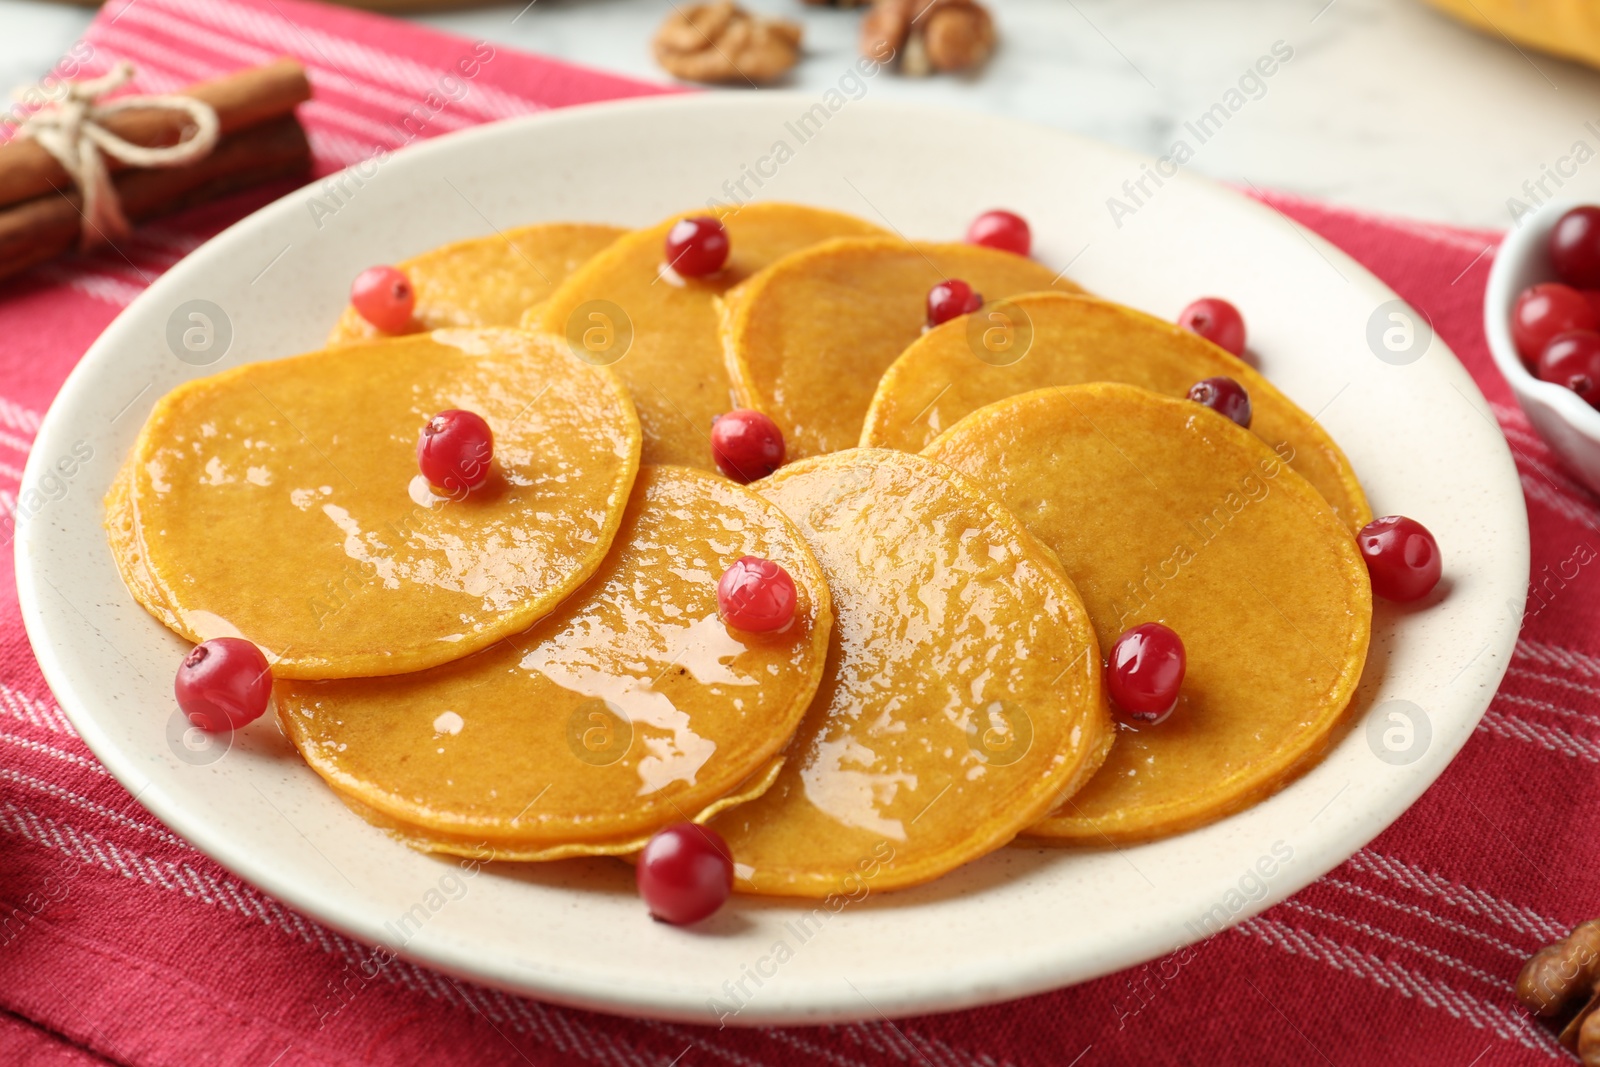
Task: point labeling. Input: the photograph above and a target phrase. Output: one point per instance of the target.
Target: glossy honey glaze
(962, 697)
(631, 707)
(1164, 511)
(807, 339)
(488, 281)
(1037, 340)
(281, 501)
(660, 330)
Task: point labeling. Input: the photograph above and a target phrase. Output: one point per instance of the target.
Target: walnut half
(722, 42)
(929, 35)
(1563, 981)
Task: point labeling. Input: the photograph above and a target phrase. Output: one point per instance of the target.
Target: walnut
(1563, 979)
(722, 42)
(1582, 1035)
(928, 35)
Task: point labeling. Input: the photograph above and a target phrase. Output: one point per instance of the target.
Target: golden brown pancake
(808, 338)
(660, 331)
(632, 707)
(488, 281)
(127, 545)
(1164, 511)
(962, 698)
(1036, 340)
(281, 501)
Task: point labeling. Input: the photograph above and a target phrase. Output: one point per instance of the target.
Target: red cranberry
(1004, 230)
(746, 445)
(1544, 310)
(1217, 321)
(454, 451)
(1224, 396)
(1402, 557)
(384, 297)
(697, 247)
(223, 684)
(1145, 671)
(1575, 247)
(950, 298)
(685, 873)
(1572, 359)
(756, 595)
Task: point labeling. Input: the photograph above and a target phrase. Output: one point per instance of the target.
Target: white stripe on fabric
(87, 280)
(1557, 655)
(40, 713)
(344, 57)
(155, 58)
(1550, 738)
(1508, 1024)
(1589, 718)
(18, 417)
(87, 763)
(144, 825)
(1498, 982)
(1473, 901)
(1416, 912)
(360, 77)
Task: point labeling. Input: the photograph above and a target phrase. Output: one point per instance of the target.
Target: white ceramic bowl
(1564, 419)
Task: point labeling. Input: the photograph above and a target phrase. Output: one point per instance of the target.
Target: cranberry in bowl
(1542, 252)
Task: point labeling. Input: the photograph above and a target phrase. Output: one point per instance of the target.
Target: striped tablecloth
(120, 943)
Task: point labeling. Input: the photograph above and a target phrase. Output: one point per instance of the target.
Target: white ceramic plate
(1021, 920)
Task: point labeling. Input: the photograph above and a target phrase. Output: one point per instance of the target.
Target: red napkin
(120, 943)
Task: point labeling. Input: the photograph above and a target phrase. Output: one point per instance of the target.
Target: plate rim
(559, 984)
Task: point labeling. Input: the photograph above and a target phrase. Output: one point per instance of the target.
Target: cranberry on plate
(950, 298)
(1542, 311)
(1145, 672)
(1005, 230)
(223, 684)
(1572, 359)
(1217, 321)
(685, 873)
(746, 445)
(1224, 396)
(384, 297)
(1402, 557)
(756, 595)
(454, 451)
(697, 246)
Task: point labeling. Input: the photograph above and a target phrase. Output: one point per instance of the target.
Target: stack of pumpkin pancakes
(970, 513)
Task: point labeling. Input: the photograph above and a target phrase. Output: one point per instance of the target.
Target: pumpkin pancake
(532, 850)
(1163, 511)
(962, 698)
(488, 281)
(808, 338)
(631, 707)
(281, 501)
(127, 546)
(661, 331)
(1043, 339)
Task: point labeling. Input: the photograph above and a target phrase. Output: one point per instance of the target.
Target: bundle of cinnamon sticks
(261, 140)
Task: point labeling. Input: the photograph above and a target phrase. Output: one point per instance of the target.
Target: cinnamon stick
(241, 100)
(46, 226)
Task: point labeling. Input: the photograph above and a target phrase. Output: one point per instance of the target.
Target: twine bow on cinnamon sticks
(70, 128)
(83, 168)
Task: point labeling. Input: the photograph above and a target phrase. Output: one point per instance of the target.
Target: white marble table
(1384, 105)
